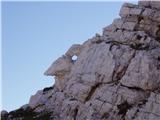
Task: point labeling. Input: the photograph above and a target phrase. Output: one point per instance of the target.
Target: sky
(34, 34)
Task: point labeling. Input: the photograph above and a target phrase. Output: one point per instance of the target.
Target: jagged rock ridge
(116, 75)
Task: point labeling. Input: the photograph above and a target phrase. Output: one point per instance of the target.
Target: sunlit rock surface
(116, 75)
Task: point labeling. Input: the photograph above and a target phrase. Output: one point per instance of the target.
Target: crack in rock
(113, 76)
(92, 91)
(75, 113)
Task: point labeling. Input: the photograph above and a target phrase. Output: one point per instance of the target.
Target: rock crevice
(115, 76)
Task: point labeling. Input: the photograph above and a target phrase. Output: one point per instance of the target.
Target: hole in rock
(74, 57)
(139, 19)
(123, 108)
(139, 37)
(139, 46)
(117, 29)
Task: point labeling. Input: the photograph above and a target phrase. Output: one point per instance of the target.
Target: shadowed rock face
(116, 75)
(25, 114)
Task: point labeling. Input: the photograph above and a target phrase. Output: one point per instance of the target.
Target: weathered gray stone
(74, 50)
(60, 67)
(143, 71)
(150, 3)
(116, 75)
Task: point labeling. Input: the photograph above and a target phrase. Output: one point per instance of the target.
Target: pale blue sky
(34, 34)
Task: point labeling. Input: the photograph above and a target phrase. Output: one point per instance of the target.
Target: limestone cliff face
(116, 75)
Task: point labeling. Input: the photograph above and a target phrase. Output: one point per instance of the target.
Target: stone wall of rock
(116, 75)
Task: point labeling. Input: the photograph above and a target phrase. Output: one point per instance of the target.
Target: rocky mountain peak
(115, 76)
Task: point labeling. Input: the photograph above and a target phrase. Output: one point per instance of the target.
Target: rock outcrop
(116, 75)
